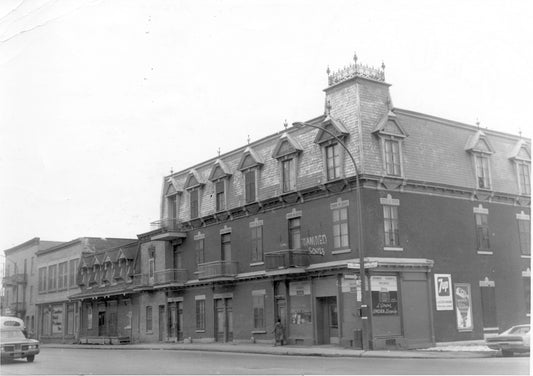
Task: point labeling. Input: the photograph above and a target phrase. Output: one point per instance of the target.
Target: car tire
(30, 358)
(507, 353)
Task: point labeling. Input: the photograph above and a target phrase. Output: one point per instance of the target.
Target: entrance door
(180, 321)
(488, 304)
(224, 320)
(327, 320)
(172, 322)
(101, 323)
(161, 322)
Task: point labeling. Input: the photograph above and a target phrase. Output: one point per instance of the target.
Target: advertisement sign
(384, 295)
(299, 288)
(463, 306)
(57, 319)
(443, 292)
(349, 284)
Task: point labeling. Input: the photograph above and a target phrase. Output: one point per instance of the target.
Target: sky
(99, 100)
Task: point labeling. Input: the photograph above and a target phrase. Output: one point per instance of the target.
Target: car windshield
(519, 330)
(11, 334)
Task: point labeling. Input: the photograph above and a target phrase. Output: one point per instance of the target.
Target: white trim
(525, 256)
(256, 223)
(395, 249)
(223, 295)
(491, 329)
(339, 204)
(175, 299)
(257, 263)
(487, 283)
(341, 251)
(485, 252)
(199, 297)
(258, 292)
(522, 216)
(389, 201)
(225, 230)
(481, 210)
(294, 214)
(526, 273)
(199, 236)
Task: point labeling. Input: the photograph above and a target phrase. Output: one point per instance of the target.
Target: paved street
(90, 361)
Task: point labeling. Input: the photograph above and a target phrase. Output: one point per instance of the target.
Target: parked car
(13, 341)
(515, 339)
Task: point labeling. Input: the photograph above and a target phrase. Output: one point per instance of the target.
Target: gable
(478, 142)
(219, 171)
(390, 125)
(249, 159)
(286, 145)
(331, 126)
(193, 180)
(520, 151)
(170, 190)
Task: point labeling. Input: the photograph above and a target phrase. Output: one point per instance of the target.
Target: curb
(411, 354)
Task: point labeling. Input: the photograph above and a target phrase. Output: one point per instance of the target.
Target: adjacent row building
(439, 210)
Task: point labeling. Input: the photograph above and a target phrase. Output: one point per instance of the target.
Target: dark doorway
(488, 304)
(327, 320)
(224, 320)
(161, 322)
(101, 323)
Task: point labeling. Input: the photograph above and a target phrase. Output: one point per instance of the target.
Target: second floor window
(52, 277)
(288, 175)
(340, 228)
(524, 233)
(482, 171)
(220, 195)
(294, 233)
(482, 232)
(73, 269)
(194, 203)
(225, 240)
(63, 277)
(257, 243)
(42, 279)
(249, 183)
(524, 178)
(392, 232)
(392, 157)
(333, 162)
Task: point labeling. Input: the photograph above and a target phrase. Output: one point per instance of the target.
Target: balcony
(171, 229)
(170, 276)
(285, 259)
(19, 278)
(218, 269)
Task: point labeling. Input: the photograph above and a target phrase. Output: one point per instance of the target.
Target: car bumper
(508, 346)
(19, 354)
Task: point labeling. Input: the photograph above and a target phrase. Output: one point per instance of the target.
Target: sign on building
(463, 307)
(443, 292)
(299, 288)
(384, 295)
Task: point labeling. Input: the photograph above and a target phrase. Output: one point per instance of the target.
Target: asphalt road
(165, 362)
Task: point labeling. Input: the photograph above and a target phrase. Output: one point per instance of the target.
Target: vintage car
(515, 339)
(13, 342)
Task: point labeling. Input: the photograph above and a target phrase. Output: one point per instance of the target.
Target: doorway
(224, 320)
(161, 322)
(101, 323)
(327, 320)
(175, 321)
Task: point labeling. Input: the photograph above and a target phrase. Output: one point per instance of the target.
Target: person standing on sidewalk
(279, 334)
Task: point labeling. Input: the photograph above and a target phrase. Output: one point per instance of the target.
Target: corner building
(271, 230)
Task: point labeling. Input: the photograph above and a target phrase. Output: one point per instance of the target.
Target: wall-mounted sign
(443, 292)
(299, 288)
(463, 307)
(315, 245)
(349, 283)
(384, 295)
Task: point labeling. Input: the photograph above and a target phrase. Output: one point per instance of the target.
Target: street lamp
(364, 310)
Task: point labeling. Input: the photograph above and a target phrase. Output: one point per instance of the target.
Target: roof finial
(328, 71)
(520, 132)
(218, 151)
(171, 170)
(382, 65)
(285, 124)
(355, 58)
(478, 123)
(248, 140)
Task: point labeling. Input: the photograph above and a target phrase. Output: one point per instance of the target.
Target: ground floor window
(149, 318)
(200, 315)
(258, 303)
(70, 319)
(45, 324)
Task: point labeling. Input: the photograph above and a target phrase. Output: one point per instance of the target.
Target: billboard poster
(299, 288)
(443, 292)
(384, 295)
(463, 306)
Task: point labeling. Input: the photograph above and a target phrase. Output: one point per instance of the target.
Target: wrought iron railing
(170, 276)
(220, 268)
(169, 224)
(286, 258)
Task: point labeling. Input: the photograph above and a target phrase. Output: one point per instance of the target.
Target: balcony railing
(169, 224)
(286, 258)
(19, 278)
(215, 269)
(170, 276)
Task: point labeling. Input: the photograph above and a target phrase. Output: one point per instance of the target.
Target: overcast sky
(100, 99)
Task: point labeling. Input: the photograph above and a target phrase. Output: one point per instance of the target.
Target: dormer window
(521, 157)
(249, 166)
(333, 161)
(220, 177)
(479, 146)
(391, 135)
(171, 195)
(332, 151)
(193, 185)
(286, 152)
(194, 202)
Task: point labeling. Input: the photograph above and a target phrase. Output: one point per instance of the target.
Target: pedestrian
(279, 335)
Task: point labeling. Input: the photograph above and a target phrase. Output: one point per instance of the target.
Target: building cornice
(28, 243)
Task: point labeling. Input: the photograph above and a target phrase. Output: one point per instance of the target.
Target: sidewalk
(470, 350)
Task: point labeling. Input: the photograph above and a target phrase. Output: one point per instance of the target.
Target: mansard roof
(478, 142)
(219, 170)
(521, 151)
(194, 180)
(286, 145)
(390, 125)
(332, 125)
(249, 159)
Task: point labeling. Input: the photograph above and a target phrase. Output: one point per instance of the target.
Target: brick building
(271, 230)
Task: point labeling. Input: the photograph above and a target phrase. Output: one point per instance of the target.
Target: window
(194, 203)
(524, 233)
(390, 221)
(148, 318)
(62, 280)
(257, 243)
(73, 269)
(482, 171)
(42, 279)
(31, 265)
(249, 182)
(333, 162)
(89, 317)
(151, 269)
(527, 292)
(220, 195)
(52, 277)
(31, 294)
(258, 303)
(482, 232)
(340, 228)
(200, 255)
(524, 177)
(288, 175)
(70, 319)
(225, 245)
(392, 157)
(200, 314)
(294, 233)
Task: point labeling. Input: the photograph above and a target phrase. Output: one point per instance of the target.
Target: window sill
(259, 263)
(526, 256)
(150, 332)
(394, 249)
(258, 331)
(340, 251)
(200, 331)
(528, 314)
(485, 252)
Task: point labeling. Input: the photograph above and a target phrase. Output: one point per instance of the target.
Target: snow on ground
(476, 348)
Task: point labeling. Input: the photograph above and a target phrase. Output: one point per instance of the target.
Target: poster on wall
(463, 306)
(384, 295)
(299, 288)
(443, 292)
(57, 319)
